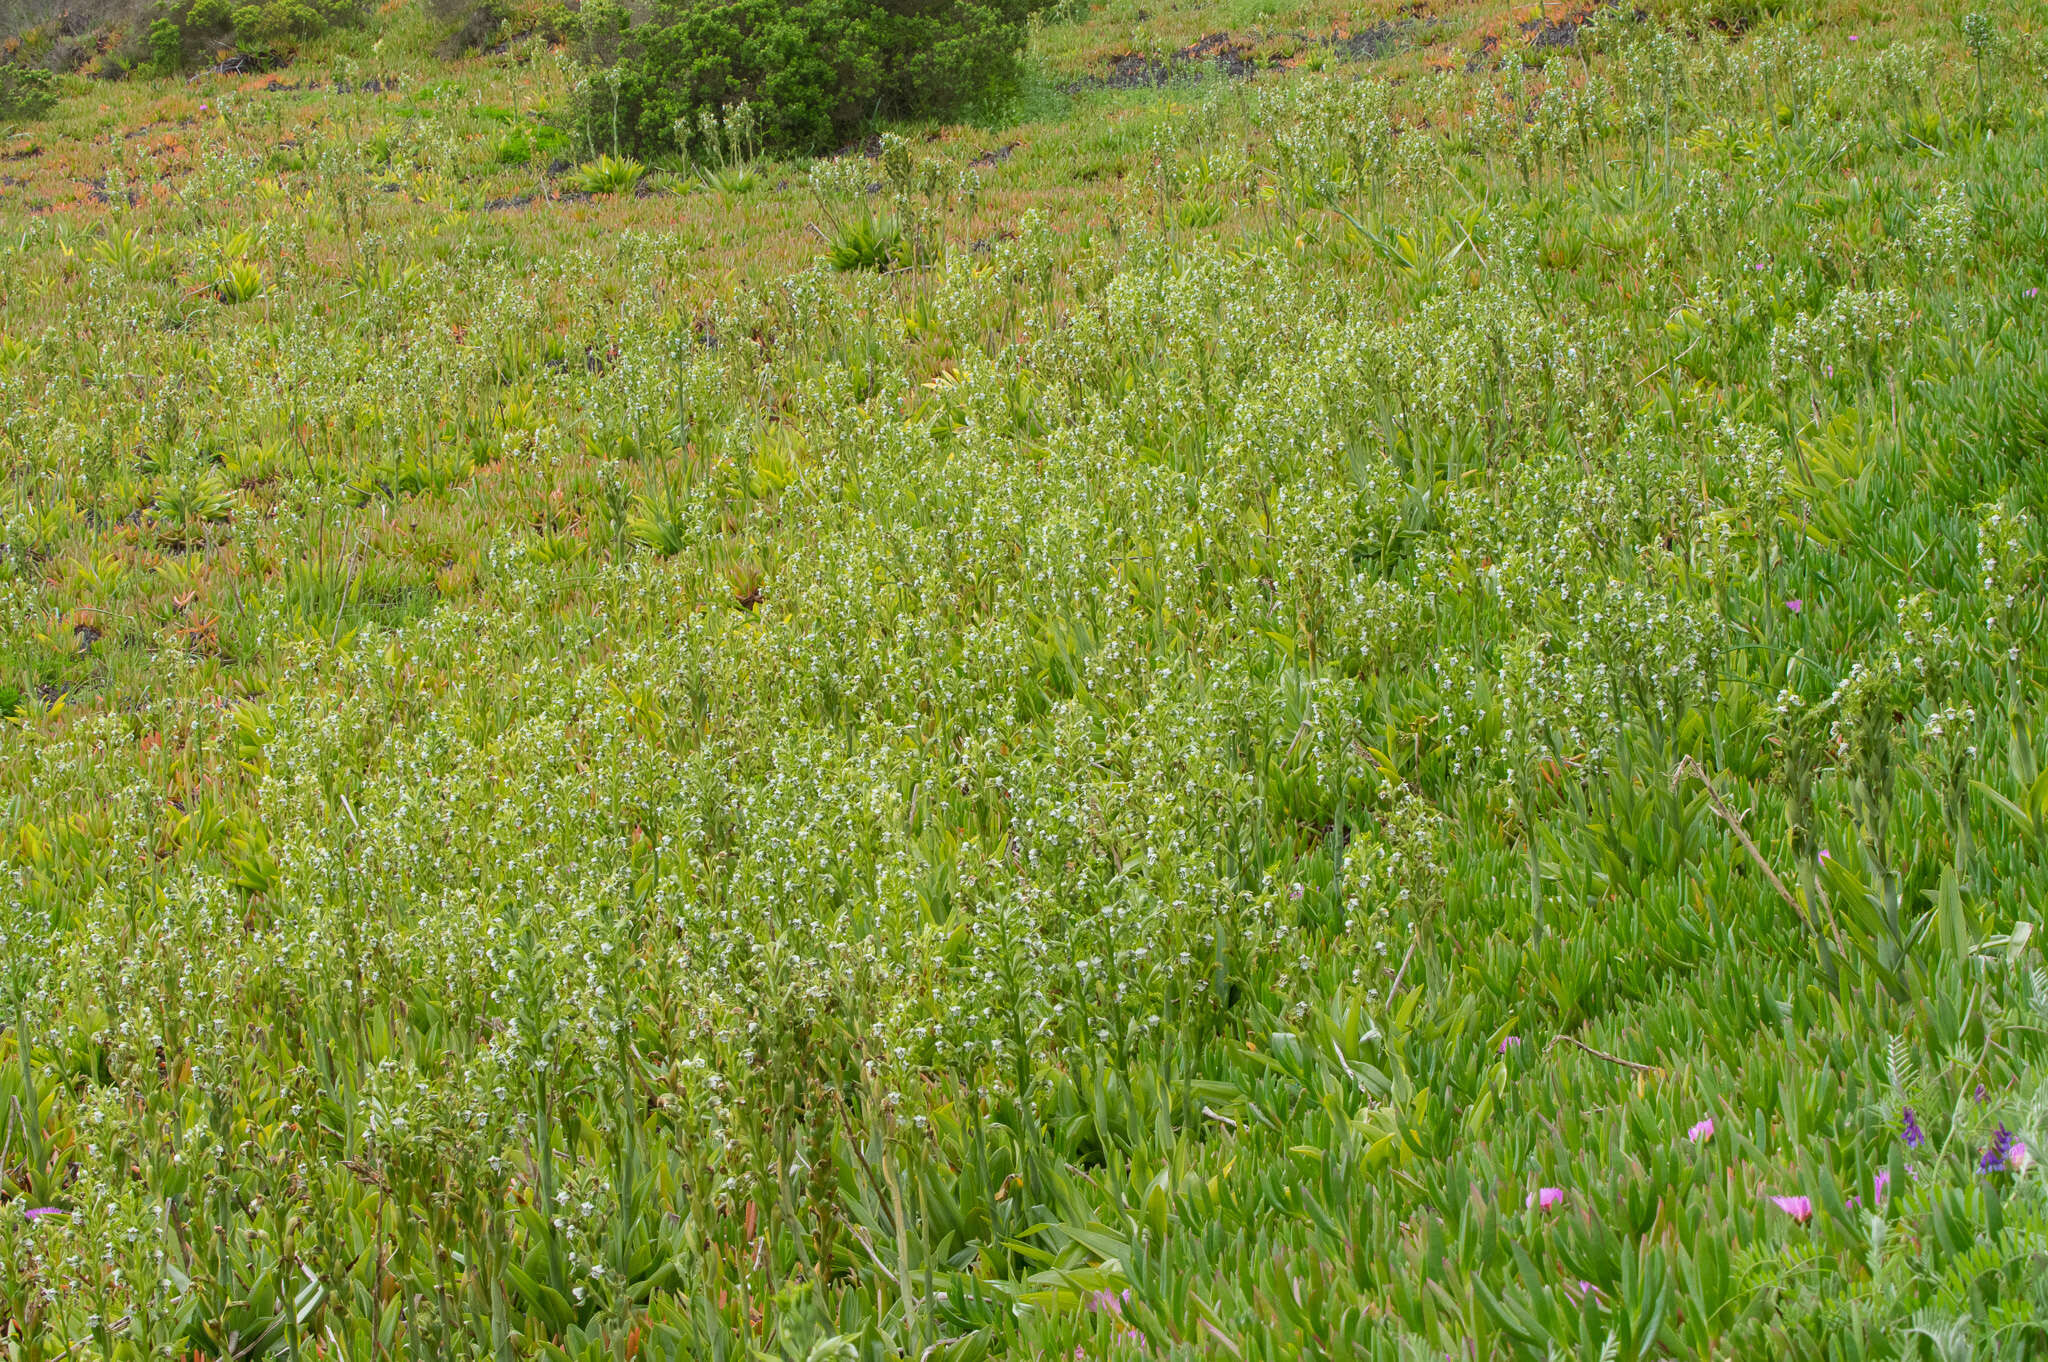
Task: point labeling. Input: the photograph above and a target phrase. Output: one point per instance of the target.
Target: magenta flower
(1702, 1132)
(2019, 1158)
(1880, 1186)
(1800, 1208)
(1112, 1303)
(1588, 1291)
(1795, 605)
(1543, 1198)
(1511, 1040)
(38, 1212)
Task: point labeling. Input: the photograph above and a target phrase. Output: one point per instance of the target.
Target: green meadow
(1339, 684)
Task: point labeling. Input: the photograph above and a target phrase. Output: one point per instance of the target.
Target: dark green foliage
(26, 92)
(476, 25)
(166, 45)
(191, 31)
(817, 72)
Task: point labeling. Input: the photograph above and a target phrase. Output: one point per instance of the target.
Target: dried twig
(1688, 767)
(1401, 973)
(1602, 1054)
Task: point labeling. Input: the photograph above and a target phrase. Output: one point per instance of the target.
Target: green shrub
(166, 45)
(265, 32)
(478, 27)
(557, 23)
(26, 92)
(815, 72)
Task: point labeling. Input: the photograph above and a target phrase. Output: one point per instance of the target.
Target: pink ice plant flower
(1800, 1208)
(1543, 1198)
(38, 1212)
(1795, 605)
(1702, 1132)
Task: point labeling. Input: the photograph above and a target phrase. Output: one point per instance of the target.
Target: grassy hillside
(1359, 684)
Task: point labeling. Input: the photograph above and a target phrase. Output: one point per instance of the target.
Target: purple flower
(1511, 1040)
(1702, 1132)
(1855, 37)
(38, 1212)
(1543, 1198)
(1982, 1096)
(2032, 292)
(1881, 1186)
(1795, 605)
(1800, 1208)
(1909, 1129)
(2019, 1158)
(1997, 1152)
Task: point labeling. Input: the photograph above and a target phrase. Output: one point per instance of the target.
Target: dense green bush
(26, 92)
(475, 25)
(189, 29)
(815, 71)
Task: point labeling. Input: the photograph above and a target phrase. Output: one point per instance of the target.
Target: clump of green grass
(610, 175)
(239, 282)
(868, 242)
(733, 179)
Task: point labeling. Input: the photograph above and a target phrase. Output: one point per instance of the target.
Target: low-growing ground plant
(868, 242)
(610, 175)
